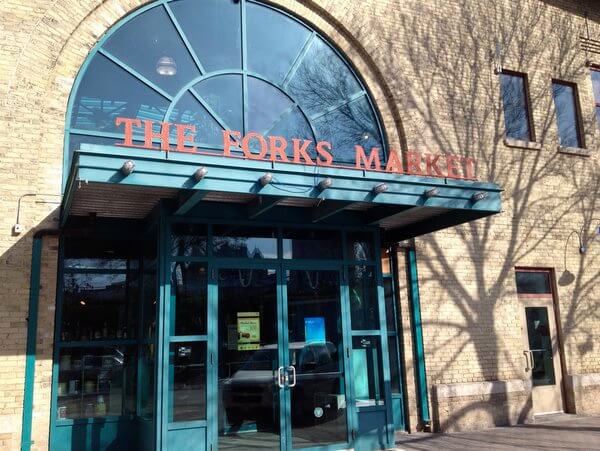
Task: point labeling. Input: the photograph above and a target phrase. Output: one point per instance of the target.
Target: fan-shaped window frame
(244, 72)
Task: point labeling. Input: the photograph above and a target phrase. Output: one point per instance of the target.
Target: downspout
(417, 330)
(32, 319)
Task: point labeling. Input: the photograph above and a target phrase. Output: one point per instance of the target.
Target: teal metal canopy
(98, 185)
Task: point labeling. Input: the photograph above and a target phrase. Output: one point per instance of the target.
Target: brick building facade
(433, 71)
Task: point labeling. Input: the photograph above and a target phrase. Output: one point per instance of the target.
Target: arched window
(221, 64)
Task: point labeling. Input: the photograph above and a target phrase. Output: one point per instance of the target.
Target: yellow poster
(248, 331)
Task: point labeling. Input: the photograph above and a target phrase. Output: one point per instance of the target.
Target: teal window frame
(98, 49)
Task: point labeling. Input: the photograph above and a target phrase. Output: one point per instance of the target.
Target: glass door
(315, 359)
(250, 374)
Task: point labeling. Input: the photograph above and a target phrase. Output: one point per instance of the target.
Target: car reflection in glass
(250, 393)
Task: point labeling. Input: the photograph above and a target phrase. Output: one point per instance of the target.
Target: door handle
(529, 359)
(293, 368)
(280, 377)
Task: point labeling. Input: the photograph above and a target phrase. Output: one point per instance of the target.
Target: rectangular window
(533, 282)
(515, 100)
(567, 114)
(596, 86)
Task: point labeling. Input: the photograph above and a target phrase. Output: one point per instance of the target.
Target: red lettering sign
(255, 146)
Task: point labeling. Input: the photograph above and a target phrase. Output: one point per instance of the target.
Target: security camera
(18, 229)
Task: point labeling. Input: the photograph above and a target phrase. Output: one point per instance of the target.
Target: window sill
(575, 151)
(519, 144)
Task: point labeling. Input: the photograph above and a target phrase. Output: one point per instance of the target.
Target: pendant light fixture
(166, 66)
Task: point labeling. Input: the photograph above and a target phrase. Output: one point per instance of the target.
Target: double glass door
(281, 359)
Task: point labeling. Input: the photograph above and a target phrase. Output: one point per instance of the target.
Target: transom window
(221, 65)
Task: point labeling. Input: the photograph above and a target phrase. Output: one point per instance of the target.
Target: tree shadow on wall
(438, 63)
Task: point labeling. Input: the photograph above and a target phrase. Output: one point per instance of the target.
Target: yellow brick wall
(428, 65)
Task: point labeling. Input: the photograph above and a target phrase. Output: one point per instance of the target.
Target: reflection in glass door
(249, 372)
(315, 359)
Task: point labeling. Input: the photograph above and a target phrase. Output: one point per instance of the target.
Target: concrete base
(479, 405)
(583, 393)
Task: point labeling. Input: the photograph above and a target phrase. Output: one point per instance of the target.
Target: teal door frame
(211, 338)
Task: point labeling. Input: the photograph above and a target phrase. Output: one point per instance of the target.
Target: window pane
(187, 389)
(347, 126)
(150, 44)
(223, 94)
(147, 368)
(204, 24)
(566, 115)
(322, 79)
(514, 100)
(244, 242)
(188, 239)
(266, 104)
(364, 308)
(99, 306)
(368, 374)
(188, 110)
(274, 41)
(292, 125)
(86, 253)
(540, 344)
(96, 382)
(107, 91)
(317, 244)
(360, 246)
(390, 311)
(189, 283)
(596, 85)
(394, 364)
(533, 282)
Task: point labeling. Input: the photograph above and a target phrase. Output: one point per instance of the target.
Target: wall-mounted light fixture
(479, 196)
(380, 188)
(266, 179)
(166, 66)
(325, 183)
(433, 192)
(200, 173)
(128, 167)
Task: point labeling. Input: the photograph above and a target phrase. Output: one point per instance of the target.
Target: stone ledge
(585, 380)
(578, 151)
(444, 391)
(521, 144)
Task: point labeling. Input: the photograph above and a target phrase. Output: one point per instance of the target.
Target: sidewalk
(575, 433)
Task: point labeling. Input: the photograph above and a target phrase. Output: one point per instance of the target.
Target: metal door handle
(293, 384)
(280, 377)
(529, 359)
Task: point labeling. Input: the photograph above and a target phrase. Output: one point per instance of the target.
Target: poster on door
(248, 331)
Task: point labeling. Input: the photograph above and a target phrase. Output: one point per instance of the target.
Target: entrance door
(281, 365)
(250, 362)
(541, 347)
(315, 358)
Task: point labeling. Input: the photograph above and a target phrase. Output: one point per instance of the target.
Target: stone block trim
(470, 406)
(583, 393)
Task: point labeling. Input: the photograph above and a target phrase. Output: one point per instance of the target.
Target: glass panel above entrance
(310, 243)
(244, 242)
